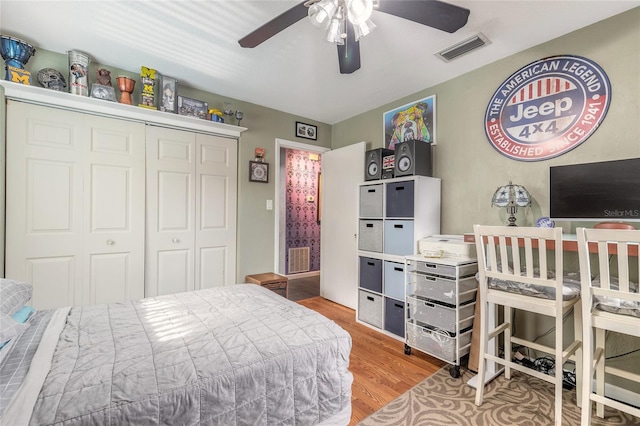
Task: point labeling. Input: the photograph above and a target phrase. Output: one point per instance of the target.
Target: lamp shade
(511, 196)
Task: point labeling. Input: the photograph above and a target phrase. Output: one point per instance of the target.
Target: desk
(569, 243)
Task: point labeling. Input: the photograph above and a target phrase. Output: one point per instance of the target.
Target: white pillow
(13, 295)
(10, 328)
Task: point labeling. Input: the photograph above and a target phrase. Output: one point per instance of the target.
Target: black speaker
(413, 158)
(373, 163)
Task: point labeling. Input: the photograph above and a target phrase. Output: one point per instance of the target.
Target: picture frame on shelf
(100, 91)
(258, 171)
(306, 131)
(168, 94)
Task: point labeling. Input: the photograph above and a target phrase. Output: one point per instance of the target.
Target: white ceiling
(295, 71)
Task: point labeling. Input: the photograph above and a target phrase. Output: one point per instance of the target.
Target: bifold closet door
(75, 205)
(191, 211)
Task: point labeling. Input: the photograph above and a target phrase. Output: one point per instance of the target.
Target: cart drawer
(436, 343)
(440, 316)
(445, 270)
(443, 289)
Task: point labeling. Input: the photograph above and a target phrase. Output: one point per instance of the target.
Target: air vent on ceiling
(463, 47)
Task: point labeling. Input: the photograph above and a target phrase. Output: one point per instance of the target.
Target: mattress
(226, 356)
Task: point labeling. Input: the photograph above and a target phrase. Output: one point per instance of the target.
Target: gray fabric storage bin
(400, 199)
(371, 274)
(370, 237)
(370, 308)
(371, 200)
(394, 316)
(398, 237)
(394, 279)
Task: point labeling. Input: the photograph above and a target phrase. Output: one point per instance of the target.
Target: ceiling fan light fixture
(321, 13)
(361, 30)
(359, 11)
(336, 33)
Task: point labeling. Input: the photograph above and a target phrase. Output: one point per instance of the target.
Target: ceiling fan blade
(274, 26)
(437, 14)
(349, 52)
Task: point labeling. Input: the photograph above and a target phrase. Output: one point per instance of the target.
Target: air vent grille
(463, 47)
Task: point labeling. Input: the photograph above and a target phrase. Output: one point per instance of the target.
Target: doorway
(281, 251)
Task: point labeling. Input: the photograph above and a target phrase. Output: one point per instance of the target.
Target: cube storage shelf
(393, 215)
(440, 296)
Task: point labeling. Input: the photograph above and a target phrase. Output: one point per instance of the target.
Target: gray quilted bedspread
(237, 355)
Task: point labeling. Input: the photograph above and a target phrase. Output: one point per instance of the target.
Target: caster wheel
(454, 371)
(407, 349)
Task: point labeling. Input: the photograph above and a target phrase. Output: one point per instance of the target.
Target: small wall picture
(100, 91)
(306, 131)
(168, 94)
(414, 121)
(258, 171)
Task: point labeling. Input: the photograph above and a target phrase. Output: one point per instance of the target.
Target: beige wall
(471, 169)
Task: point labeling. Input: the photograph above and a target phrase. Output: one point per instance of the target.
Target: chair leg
(482, 349)
(587, 372)
(559, 371)
(577, 335)
(507, 341)
(600, 338)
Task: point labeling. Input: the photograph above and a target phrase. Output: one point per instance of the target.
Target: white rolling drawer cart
(441, 301)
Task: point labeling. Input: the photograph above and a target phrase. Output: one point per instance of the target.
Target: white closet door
(170, 211)
(115, 210)
(216, 200)
(45, 202)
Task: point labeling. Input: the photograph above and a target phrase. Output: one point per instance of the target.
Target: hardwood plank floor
(381, 370)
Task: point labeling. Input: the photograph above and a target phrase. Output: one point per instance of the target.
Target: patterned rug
(523, 400)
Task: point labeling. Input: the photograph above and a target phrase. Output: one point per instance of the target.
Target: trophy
(16, 53)
(126, 85)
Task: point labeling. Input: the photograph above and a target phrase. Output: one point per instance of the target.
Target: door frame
(284, 143)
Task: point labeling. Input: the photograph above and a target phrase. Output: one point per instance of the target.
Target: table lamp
(511, 196)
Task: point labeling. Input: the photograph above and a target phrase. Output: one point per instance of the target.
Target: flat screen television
(603, 191)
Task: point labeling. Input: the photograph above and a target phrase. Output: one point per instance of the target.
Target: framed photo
(100, 91)
(258, 171)
(168, 94)
(413, 121)
(192, 107)
(306, 131)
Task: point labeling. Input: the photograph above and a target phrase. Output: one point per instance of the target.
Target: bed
(234, 355)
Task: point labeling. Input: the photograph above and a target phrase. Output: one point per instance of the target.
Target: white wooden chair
(508, 280)
(608, 304)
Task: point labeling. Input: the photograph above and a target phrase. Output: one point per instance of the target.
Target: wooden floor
(381, 370)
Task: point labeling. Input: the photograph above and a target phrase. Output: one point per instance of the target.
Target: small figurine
(103, 76)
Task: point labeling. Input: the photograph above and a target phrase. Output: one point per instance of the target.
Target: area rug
(523, 400)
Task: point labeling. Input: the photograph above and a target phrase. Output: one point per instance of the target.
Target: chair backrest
(596, 248)
(497, 258)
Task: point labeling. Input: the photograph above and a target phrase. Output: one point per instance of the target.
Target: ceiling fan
(346, 21)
